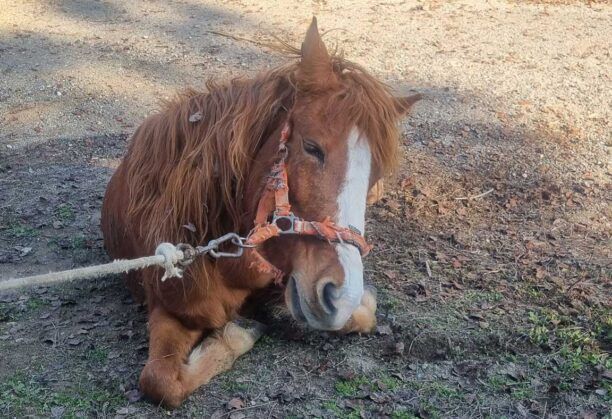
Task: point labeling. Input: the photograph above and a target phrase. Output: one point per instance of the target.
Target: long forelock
(368, 103)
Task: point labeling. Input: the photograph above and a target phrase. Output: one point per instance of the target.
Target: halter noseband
(275, 202)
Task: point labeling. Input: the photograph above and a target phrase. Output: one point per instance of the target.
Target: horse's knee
(162, 386)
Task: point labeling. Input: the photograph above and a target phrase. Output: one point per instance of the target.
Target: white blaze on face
(351, 212)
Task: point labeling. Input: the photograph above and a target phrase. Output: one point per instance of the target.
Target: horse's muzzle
(324, 306)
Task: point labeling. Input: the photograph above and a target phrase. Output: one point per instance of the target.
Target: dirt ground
(493, 251)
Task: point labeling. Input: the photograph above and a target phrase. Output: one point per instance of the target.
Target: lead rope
(174, 260)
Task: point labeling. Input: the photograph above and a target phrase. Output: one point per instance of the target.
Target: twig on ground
(247, 408)
(469, 198)
(413, 340)
(428, 268)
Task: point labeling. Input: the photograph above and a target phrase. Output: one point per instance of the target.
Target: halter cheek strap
(275, 203)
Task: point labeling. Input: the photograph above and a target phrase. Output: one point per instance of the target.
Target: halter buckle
(285, 223)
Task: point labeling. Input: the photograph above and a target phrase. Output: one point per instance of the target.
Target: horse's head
(344, 138)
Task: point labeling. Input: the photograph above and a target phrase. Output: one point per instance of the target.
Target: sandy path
(73, 68)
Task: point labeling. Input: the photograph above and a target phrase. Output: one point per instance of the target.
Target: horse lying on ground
(259, 157)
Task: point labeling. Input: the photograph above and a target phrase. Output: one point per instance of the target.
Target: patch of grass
(78, 242)
(232, 386)
(533, 292)
(497, 383)
(350, 388)
(388, 300)
(403, 414)
(20, 230)
(522, 391)
(22, 395)
(332, 406)
(35, 303)
(391, 383)
(337, 411)
(483, 296)
(7, 313)
(266, 341)
(65, 213)
(441, 390)
(431, 410)
(99, 355)
(577, 346)
(519, 390)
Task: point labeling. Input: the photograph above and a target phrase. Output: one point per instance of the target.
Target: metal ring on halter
(285, 219)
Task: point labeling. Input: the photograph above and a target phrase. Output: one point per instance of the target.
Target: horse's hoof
(253, 327)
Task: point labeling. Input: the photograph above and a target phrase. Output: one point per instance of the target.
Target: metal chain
(212, 248)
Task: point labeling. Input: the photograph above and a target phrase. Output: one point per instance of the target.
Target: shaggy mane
(195, 173)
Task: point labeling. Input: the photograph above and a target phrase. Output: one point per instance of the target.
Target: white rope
(166, 255)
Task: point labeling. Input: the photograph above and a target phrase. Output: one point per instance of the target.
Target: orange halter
(275, 202)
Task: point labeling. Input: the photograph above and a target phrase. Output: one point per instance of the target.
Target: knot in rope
(172, 257)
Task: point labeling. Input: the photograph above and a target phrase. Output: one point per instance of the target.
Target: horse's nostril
(329, 296)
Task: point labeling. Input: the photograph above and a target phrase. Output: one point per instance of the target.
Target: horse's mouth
(294, 304)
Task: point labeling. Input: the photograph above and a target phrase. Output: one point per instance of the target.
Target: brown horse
(204, 161)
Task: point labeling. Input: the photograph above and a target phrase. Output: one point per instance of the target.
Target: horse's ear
(316, 63)
(403, 104)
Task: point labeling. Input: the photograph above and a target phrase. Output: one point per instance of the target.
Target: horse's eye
(313, 149)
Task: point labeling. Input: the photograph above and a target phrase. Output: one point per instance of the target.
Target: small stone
(57, 411)
(25, 251)
(57, 225)
(384, 329)
(74, 341)
(399, 348)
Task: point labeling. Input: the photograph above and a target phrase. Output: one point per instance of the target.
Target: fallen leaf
(235, 403)
(25, 251)
(391, 274)
(384, 329)
(195, 117)
(456, 285)
(57, 411)
(133, 395)
(540, 272)
(190, 227)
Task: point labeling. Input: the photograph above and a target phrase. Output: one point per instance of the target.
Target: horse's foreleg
(170, 343)
(175, 368)
(363, 319)
(218, 351)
